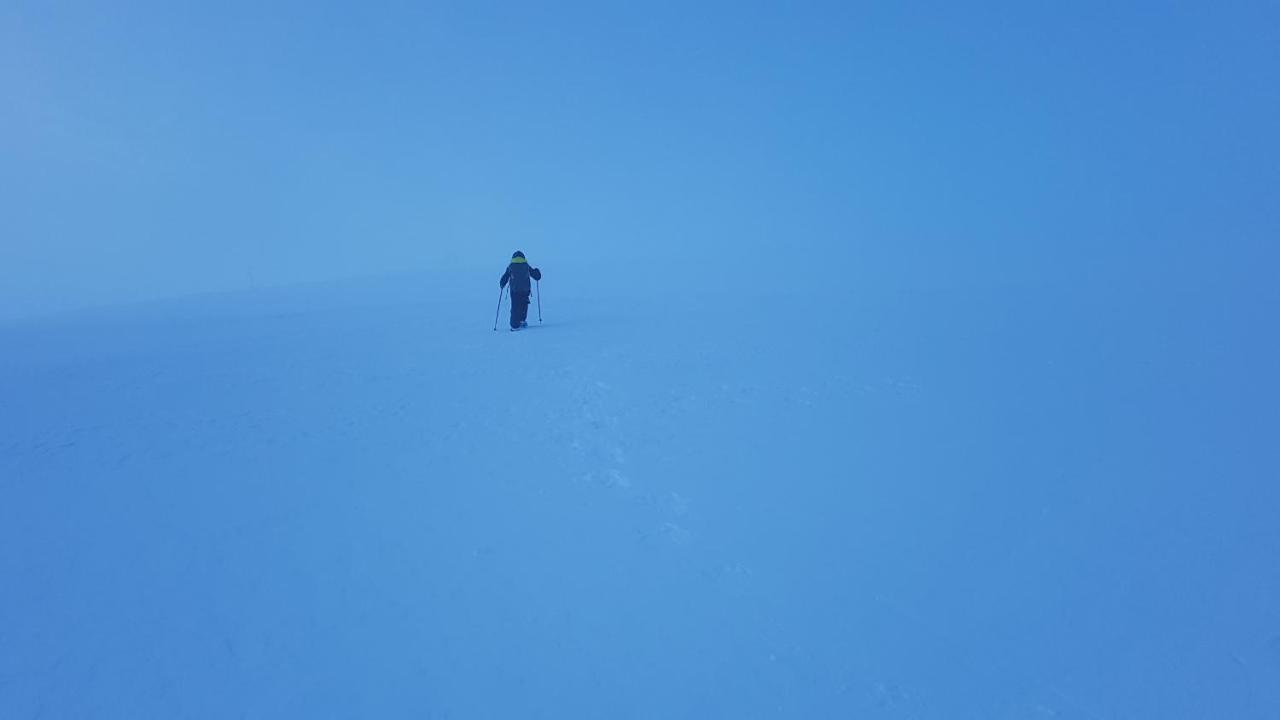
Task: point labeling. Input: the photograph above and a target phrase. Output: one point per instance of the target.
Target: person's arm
(536, 274)
(506, 276)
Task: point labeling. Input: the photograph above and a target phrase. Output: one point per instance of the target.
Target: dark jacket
(518, 274)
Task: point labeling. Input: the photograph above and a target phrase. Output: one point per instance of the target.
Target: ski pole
(539, 302)
(501, 290)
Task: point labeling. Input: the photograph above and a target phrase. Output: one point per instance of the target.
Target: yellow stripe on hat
(518, 260)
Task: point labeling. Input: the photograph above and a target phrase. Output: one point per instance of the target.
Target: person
(518, 274)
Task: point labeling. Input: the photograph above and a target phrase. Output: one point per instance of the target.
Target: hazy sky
(150, 149)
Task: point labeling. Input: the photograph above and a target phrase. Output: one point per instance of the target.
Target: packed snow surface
(360, 501)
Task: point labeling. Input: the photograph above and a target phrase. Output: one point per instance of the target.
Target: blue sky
(159, 149)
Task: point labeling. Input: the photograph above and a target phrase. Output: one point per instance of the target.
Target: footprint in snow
(619, 457)
(616, 480)
(890, 695)
(666, 534)
(612, 479)
(675, 504)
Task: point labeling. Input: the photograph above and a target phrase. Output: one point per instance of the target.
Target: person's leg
(519, 309)
(524, 309)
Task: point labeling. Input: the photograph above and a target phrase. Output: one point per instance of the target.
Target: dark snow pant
(519, 308)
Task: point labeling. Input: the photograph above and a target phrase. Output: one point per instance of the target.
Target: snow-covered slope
(330, 502)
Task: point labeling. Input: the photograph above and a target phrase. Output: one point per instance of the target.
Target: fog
(898, 362)
(151, 151)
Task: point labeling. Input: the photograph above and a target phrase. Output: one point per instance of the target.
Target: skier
(518, 274)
